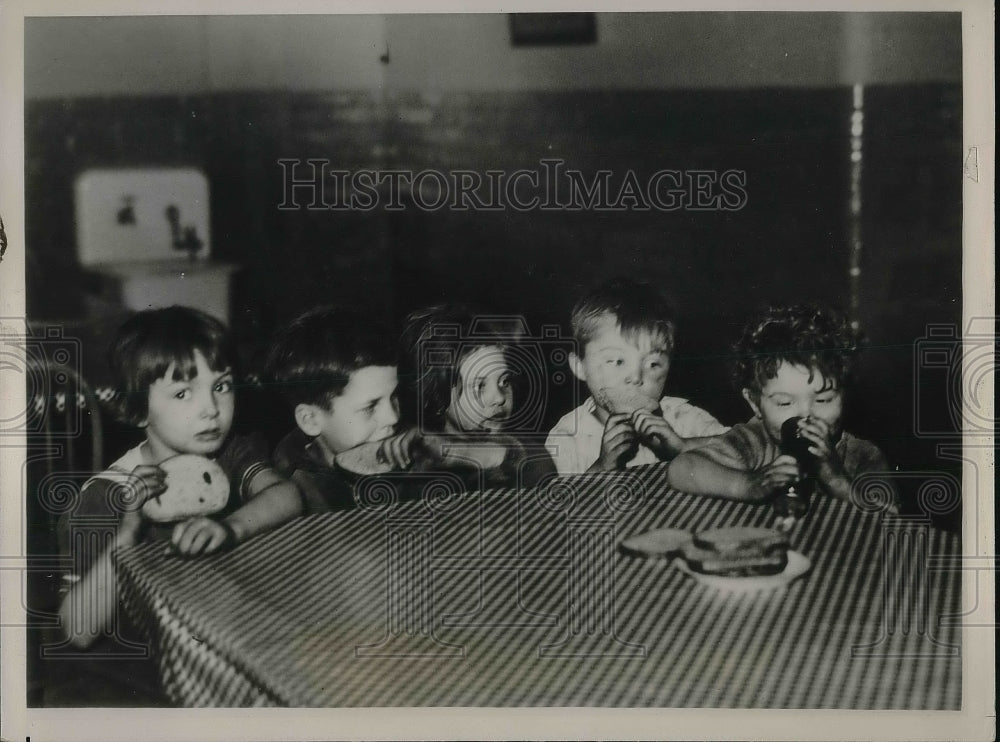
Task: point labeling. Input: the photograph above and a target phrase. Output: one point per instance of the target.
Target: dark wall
(788, 243)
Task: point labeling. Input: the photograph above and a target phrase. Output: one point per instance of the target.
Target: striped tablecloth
(505, 599)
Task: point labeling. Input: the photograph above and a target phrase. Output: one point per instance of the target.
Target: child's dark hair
(637, 308)
(150, 341)
(813, 337)
(433, 344)
(311, 361)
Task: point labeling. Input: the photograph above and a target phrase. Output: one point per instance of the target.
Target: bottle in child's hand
(792, 501)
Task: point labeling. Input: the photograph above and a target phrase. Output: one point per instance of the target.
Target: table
(522, 599)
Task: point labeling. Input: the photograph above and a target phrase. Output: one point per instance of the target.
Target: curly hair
(813, 337)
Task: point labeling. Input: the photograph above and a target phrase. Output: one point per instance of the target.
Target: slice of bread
(741, 540)
(625, 400)
(738, 552)
(195, 486)
(430, 452)
(663, 543)
(477, 451)
(746, 565)
(364, 459)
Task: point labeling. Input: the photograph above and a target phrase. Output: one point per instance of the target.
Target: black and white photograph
(497, 372)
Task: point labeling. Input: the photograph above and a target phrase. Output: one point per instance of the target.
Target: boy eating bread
(624, 333)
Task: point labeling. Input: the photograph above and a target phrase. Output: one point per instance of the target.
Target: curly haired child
(793, 361)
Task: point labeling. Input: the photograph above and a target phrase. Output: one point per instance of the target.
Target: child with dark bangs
(336, 369)
(792, 362)
(174, 369)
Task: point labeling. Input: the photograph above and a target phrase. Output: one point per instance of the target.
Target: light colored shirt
(575, 440)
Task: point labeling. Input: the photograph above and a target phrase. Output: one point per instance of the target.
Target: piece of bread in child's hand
(195, 486)
(467, 450)
(663, 543)
(623, 400)
(365, 459)
(432, 451)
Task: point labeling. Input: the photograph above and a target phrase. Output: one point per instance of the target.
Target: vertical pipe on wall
(856, 238)
(859, 64)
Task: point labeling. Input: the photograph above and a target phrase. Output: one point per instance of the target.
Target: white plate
(798, 565)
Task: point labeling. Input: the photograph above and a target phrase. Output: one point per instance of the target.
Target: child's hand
(144, 483)
(200, 536)
(618, 444)
(779, 473)
(831, 467)
(481, 451)
(658, 434)
(397, 450)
